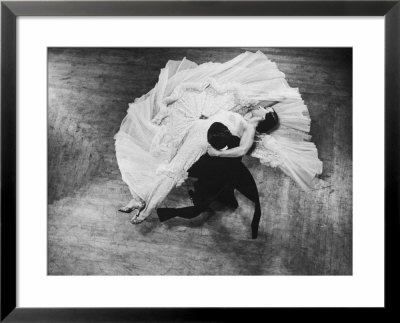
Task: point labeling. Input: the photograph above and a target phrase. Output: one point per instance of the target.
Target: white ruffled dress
(165, 131)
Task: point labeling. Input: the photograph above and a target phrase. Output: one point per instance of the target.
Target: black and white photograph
(199, 161)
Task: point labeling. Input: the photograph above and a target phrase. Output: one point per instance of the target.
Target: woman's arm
(246, 142)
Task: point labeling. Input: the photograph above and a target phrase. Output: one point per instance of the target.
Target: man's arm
(245, 144)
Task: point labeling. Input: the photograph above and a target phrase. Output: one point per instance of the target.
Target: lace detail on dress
(212, 98)
(164, 131)
(188, 150)
(167, 141)
(189, 103)
(268, 157)
(268, 151)
(235, 89)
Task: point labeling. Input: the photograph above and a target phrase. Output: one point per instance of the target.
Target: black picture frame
(10, 10)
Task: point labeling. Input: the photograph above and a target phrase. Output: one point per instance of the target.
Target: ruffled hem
(181, 89)
(249, 79)
(297, 159)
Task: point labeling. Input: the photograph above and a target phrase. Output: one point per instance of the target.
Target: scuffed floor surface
(300, 233)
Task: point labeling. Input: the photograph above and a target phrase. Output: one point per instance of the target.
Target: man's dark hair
(218, 135)
(270, 122)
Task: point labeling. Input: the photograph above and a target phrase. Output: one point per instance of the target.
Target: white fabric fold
(164, 132)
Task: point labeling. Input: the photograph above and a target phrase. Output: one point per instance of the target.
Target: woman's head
(218, 135)
(269, 123)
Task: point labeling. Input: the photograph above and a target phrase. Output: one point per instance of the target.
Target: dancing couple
(198, 121)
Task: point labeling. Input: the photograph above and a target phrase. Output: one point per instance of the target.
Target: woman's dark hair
(218, 135)
(270, 122)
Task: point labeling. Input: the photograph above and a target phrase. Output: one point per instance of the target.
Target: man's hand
(213, 152)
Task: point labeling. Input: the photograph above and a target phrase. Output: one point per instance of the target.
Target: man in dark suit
(219, 176)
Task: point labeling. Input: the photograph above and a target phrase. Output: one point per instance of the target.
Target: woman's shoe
(129, 209)
(135, 218)
(126, 209)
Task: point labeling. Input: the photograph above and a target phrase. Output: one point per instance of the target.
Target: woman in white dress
(165, 131)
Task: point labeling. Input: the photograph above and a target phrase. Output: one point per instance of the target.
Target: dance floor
(301, 233)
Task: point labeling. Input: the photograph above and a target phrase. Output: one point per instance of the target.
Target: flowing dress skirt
(177, 112)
